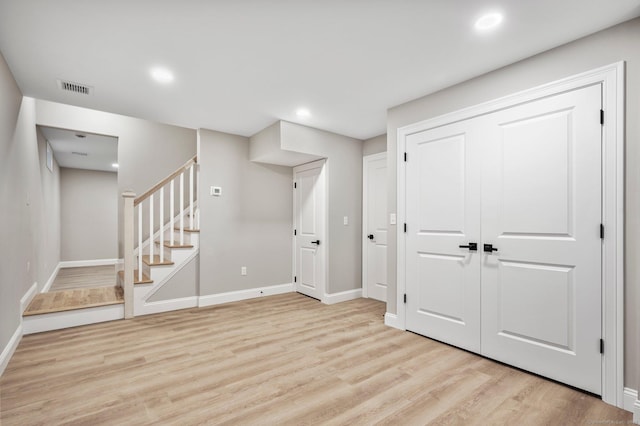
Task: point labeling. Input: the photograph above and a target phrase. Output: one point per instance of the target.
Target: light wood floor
(84, 277)
(283, 359)
(68, 300)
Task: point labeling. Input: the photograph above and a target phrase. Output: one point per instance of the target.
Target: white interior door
(443, 215)
(541, 211)
(309, 215)
(374, 250)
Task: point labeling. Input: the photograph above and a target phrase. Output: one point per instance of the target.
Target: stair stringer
(161, 275)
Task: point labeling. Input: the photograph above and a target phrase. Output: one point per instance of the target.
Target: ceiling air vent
(70, 86)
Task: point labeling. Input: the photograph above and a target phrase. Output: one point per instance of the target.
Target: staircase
(163, 246)
(161, 236)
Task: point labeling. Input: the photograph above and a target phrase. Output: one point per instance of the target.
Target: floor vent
(70, 86)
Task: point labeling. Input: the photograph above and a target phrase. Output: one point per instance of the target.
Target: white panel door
(309, 211)
(541, 212)
(375, 226)
(443, 216)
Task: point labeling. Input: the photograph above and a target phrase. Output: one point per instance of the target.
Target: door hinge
(295, 279)
(295, 185)
(405, 228)
(295, 232)
(405, 157)
(405, 298)
(602, 231)
(602, 346)
(602, 116)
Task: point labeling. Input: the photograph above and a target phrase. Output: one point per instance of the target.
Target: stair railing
(131, 203)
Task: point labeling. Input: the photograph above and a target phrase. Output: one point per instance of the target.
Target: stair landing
(68, 300)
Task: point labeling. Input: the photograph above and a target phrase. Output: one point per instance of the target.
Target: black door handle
(370, 236)
(490, 248)
(317, 242)
(470, 246)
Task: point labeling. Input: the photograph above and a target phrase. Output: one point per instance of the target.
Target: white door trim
(612, 79)
(365, 211)
(323, 163)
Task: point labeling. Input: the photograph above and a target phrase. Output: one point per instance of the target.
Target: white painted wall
(147, 151)
(250, 224)
(374, 145)
(344, 169)
(29, 239)
(182, 284)
(47, 208)
(615, 44)
(88, 215)
(265, 147)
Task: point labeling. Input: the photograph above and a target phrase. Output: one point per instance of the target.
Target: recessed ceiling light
(115, 165)
(303, 113)
(162, 75)
(488, 21)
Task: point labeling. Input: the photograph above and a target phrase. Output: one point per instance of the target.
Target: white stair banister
(182, 209)
(161, 224)
(157, 219)
(172, 210)
(151, 229)
(191, 197)
(139, 242)
(128, 233)
(197, 166)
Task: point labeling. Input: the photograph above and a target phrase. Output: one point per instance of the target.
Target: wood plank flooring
(278, 360)
(84, 277)
(68, 300)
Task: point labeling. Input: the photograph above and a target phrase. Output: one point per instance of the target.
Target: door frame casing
(612, 79)
(325, 238)
(365, 211)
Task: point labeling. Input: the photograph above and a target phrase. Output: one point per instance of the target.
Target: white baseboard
(343, 296)
(629, 397)
(11, 347)
(391, 320)
(235, 296)
(28, 297)
(93, 262)
(166, 305)
(632, 403)
(58, 320)
(51, 279)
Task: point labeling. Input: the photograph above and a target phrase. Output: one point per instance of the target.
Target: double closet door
(503, 240)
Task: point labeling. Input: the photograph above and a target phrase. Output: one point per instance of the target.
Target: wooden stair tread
(187, 230)
(176, 245)
(156, 260)
(145, 278)
(70, 300)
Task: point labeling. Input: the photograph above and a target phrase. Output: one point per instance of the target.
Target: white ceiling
(241, 65)
(69, 149)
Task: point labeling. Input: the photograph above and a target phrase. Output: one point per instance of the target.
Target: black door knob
(470, 246)
(489, 248)
(370, 236)
(316, 242)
